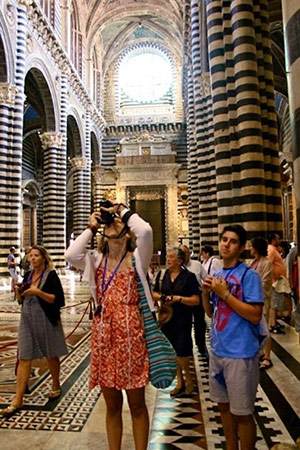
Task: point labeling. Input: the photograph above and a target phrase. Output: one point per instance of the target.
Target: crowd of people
(242, 300)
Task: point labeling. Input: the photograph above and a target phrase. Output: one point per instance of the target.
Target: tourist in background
(263, 266)
(179, 289)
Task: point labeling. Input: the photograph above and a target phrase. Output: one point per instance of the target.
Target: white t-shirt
(197, 268)
(212, 265)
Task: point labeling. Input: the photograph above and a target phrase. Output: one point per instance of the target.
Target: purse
(162, 356)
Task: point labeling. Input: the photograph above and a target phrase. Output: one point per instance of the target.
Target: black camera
(107, 218)
(23, 287)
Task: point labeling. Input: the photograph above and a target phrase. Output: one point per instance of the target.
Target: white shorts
(13, 274)
(234, 381)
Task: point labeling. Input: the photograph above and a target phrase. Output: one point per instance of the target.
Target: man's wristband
(226, 296)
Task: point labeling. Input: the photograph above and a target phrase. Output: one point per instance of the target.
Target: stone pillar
(9, 193)
(291, 20)
(81, 211)
(172, 215)
(39, 175)
(66, 24)
(202, 176)
(53, 199)
(98, 175)
(245, 123)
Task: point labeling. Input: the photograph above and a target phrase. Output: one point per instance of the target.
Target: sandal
(177, 391)
(189, 388)
(53, 395)
(10, 411)
(266, 364)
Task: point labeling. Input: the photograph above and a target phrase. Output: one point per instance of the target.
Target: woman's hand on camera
(93, 220)
(113, 209)
(33, 290)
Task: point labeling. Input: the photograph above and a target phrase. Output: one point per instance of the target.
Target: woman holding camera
(179, 289)
(119, 357)
(40, 331)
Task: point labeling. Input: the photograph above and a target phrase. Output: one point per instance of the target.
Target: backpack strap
(210, 264)
(160, 277)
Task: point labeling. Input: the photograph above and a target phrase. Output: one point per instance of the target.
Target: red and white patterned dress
(119, 357)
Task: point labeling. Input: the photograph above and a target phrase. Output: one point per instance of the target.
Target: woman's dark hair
(12, 249)
(260, 245)
(130, 245)
(286, 248)
(208, 249)
(239, 231)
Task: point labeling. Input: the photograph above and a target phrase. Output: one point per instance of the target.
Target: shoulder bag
(162, 356)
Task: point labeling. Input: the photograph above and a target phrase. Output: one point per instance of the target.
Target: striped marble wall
(291, 19)
(244, 117)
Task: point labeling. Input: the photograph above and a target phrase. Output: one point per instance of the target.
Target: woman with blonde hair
(40, 330)
(119, 356)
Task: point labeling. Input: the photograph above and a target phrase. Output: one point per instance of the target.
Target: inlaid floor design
(186, 422)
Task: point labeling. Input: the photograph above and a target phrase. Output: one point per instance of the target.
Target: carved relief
(51, 139)
(9, 12)
(7, 94)
(110, 194)
(79, 163)
(147, 195)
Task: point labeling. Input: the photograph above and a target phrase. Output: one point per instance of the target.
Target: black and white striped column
(245, 125)
(8, 235)
(53, 198)
(81, 210)
(291, 19)
(202, 176)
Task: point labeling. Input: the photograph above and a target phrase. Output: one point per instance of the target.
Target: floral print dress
(119, 357)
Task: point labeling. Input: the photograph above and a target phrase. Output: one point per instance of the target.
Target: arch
(44, 82)
(95, 150)
(6, 54)
(74, 135)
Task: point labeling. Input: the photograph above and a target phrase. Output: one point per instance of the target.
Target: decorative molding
(7, 94)
(46, 36)
(79, 163)
(51, 139)
(147, 194)
(134, 129)
(25, 3)
(9, 12)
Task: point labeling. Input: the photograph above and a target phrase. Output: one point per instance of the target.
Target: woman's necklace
(32, 281)
(104, 286)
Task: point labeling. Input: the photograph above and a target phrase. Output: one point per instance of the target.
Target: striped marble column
(53, 199)
(8, 235)
(98, 193)
(291, 20)
(201, 156)
(245, 126)
(81, 210)
(87, 190)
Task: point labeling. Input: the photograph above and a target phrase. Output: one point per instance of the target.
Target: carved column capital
(7, 94)
(51, 139)
(79, 163)
(25, 3)
(98, 174)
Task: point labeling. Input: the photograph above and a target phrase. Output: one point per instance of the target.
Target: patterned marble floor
(77, 419)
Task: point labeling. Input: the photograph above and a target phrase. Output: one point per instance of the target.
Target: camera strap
(105, 286)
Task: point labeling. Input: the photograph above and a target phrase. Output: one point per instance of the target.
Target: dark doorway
(153, 211)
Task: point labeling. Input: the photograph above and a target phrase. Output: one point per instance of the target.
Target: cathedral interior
(187, 111)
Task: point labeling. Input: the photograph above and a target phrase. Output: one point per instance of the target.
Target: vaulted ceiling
(113, 25)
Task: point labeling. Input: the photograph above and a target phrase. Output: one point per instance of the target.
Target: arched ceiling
(115, 24)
